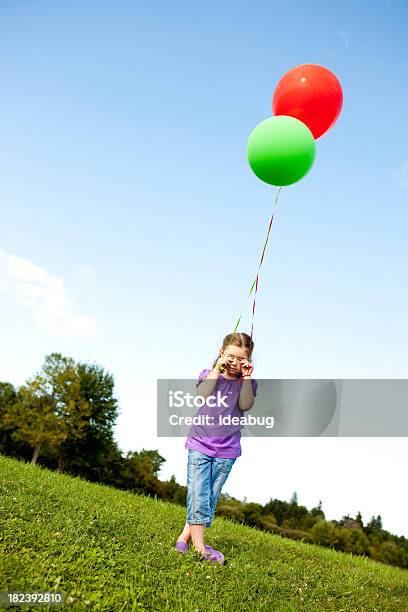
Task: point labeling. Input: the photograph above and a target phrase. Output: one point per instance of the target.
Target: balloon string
(256, 280)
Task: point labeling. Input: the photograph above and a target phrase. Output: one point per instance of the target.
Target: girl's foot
(210, 554)
(181, 547)
(213, 555)
(210, 549)
(181, 538)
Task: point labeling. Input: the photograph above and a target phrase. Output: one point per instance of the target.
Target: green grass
(113, 550)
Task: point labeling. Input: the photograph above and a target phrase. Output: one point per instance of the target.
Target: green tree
(171, 491)
(294, 499)
(252, 514)
(342, 539)
(323, 533)
(280, 509)
(359, 519)
(32, 420)
(139, 472)
(67, 412)
(317, 510)
(360, 541)
(86, 455)
(375, 523)
(390, 553)
(7, 395)
(7, 400)
(60, 381)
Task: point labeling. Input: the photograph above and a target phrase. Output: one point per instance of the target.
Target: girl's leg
(197, 536)
(198, 496)
(185, 535)
(220, 472)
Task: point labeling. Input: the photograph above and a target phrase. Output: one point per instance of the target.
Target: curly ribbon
(255, 283)
(256, 280)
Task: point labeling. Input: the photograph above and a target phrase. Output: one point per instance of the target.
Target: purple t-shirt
(225, 446)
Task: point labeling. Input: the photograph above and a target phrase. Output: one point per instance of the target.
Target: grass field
(112, 550)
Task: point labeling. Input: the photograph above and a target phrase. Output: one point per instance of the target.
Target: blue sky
(131, 223)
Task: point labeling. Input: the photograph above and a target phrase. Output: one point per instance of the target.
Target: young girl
(210, 459)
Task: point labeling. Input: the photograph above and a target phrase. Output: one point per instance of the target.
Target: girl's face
(236, 356)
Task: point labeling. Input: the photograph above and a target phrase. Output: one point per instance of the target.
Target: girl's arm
(206, 387)
(246, 396)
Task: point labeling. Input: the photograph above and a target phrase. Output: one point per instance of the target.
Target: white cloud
(45, 295)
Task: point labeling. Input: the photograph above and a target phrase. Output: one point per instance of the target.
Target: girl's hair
(237, 339)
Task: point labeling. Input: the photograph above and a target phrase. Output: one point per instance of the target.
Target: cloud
(45, 295)
(345, 37)
(402, 174)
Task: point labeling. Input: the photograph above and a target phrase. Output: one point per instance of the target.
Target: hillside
(113, 550)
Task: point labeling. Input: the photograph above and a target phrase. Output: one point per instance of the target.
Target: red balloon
(310, 93)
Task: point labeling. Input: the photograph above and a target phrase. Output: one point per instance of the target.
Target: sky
(131, 223)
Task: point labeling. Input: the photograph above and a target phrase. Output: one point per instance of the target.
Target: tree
(342, 539)
(280, 509)
(390, 553)
(33, 419)
(360, 542)
(171, 491)
(359, 519)
(7, 395)
(86, 455)
(7, 399)
(317, 511)
(64, 414)
(59, 384)
(252, 512)
(375, 524)
(154, 458)
(323, 533)
(294, 499)
(139, 472)
(66, 411)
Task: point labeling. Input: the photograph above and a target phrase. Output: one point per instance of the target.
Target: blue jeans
(205, 478)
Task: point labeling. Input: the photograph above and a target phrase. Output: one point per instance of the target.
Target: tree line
(63, 418)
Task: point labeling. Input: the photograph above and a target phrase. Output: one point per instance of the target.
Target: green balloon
(281, 150)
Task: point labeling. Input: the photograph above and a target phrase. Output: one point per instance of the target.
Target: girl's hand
(222, 362)
(246, 368)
